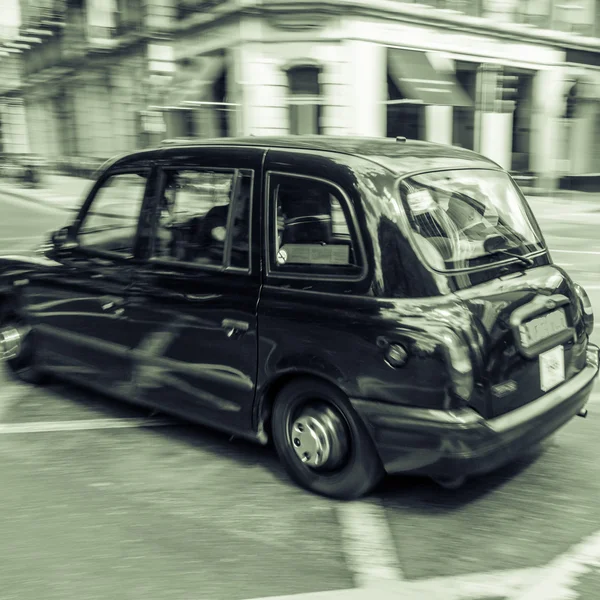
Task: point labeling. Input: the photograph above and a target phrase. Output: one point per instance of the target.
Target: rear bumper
(453, 443)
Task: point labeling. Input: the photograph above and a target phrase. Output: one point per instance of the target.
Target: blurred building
(515, 79)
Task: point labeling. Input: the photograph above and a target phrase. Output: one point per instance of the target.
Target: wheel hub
(319, 438)
(311, 442)
(11, 339)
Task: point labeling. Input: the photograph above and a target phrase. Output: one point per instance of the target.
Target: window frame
(275, 271)
(225, 266)
(83, 213)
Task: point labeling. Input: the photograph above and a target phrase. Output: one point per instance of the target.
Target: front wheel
(322, 443)
(17, 349)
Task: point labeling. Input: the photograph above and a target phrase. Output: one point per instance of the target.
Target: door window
(314, 233)
(110, 224)
(204, 218)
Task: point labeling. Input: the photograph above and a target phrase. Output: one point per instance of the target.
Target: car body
(370, 305)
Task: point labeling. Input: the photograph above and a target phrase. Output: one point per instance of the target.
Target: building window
(304, 100)
(405, 117)
(463, 127)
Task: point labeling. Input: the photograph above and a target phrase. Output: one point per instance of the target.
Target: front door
(198, 293)
(78, 307)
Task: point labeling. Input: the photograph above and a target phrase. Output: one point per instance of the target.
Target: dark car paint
(154, 315)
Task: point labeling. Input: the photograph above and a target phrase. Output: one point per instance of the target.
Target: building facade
(514, 79)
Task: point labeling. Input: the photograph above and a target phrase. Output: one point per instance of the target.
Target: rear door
(196, 296)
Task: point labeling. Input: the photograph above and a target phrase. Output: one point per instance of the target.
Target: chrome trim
(11, 339)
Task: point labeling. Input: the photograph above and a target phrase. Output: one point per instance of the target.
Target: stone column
(438, 124)
(368, 92)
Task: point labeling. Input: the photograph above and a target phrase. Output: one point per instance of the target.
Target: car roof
(399, 155)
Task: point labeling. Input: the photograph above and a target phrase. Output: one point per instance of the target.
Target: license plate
(552, 368)
(543, 327)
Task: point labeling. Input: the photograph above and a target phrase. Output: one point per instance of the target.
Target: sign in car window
(313, 254)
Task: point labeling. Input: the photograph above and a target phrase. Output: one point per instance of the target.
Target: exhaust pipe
(582, 413)
(10, 342)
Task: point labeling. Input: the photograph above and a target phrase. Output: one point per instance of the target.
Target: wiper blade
(524, 259)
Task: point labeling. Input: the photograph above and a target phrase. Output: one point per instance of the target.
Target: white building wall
(265, 85)
(368, 88)
(546, 139)
(369, 65)
(14, 128)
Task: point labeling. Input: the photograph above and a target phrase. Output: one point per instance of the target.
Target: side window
(314, 233)
(111, 221)
(204, 218)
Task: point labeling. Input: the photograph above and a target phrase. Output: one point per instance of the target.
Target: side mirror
(61, 239)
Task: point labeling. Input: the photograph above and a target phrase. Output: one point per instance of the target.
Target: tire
(25, 367)
(353, 469)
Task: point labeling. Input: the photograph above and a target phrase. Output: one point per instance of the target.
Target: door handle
(235, 328)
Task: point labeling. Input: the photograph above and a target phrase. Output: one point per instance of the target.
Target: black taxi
(366, 305)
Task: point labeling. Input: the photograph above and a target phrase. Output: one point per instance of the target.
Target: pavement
(103, 500)
(57, 191)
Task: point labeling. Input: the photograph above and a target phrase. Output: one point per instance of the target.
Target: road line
(472, 586)
(560, 575)
(594, 252)
(21, 237)
(367, 543)
(81, 425)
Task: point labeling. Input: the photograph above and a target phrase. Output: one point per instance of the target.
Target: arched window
(304, 99)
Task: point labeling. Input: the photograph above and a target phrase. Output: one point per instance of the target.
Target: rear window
(452, 213)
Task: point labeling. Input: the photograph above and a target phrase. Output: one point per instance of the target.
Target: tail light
(586, 306)
(459, 363)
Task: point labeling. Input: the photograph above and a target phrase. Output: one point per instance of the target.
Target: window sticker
(282, 257)
(420, 202)
(314, 254)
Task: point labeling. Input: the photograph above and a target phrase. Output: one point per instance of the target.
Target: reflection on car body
(369, 306)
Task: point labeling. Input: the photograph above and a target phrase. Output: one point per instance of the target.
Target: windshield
(452, 213)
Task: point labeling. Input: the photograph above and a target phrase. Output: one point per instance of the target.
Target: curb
(22, 195)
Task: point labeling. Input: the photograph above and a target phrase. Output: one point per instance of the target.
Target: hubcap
(319, 438)
(10, 342)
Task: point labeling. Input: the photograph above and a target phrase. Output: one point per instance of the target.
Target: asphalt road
(94, 505)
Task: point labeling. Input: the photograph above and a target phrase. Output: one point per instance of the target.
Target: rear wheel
(322, 443)
(17, 348)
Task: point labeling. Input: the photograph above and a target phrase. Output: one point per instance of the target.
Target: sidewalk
(58, 191)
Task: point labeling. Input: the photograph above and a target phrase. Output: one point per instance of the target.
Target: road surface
(100, 500)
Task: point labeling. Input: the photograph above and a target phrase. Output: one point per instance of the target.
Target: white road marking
(81, 425)
(475, 586)
(367, 542)
(554, 581)
(560, 576)
(594, 252)
(22, 237)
